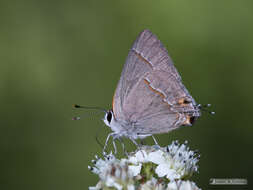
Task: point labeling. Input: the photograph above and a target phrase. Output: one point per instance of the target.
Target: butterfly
(150, 97)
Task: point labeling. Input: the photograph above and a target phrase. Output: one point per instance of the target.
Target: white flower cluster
(149, 168)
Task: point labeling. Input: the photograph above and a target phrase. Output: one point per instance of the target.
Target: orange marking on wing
(154, 90)
(142, 58)
(187, 121)
(183, 101)
(113, 102)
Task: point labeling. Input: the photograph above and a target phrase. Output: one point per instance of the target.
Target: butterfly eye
(109, 116)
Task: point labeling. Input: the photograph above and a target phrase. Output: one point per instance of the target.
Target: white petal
(141, 156)
(146, 187)
(172, 186)
(157, 157)
(187, 185)
(118, 186)
(162, 170)
(135, 169)
(110, 182)
(172, 175)
(130, 187)
(133, 160)
(159, 187)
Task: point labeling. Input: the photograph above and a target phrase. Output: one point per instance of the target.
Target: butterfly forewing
(149, 88)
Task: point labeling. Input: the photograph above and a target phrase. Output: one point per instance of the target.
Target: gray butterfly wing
(150, 89)
(138, 63)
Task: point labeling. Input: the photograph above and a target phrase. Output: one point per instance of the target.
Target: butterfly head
(108, 118)
(115, 125)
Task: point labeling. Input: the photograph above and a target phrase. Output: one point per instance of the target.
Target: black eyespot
(192, 119)
(186, 101)
(109, 116)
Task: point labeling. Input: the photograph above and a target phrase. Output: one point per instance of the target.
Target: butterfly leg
(134, 141)
(137, 145)
(106, 142)
(156, 143)
(114, 146)
(123, 146)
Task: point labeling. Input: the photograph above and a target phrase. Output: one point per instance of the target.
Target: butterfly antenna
(93, 108)
(204, 108)
(89, 107)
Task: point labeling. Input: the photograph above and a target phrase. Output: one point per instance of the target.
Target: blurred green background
(56, 53)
